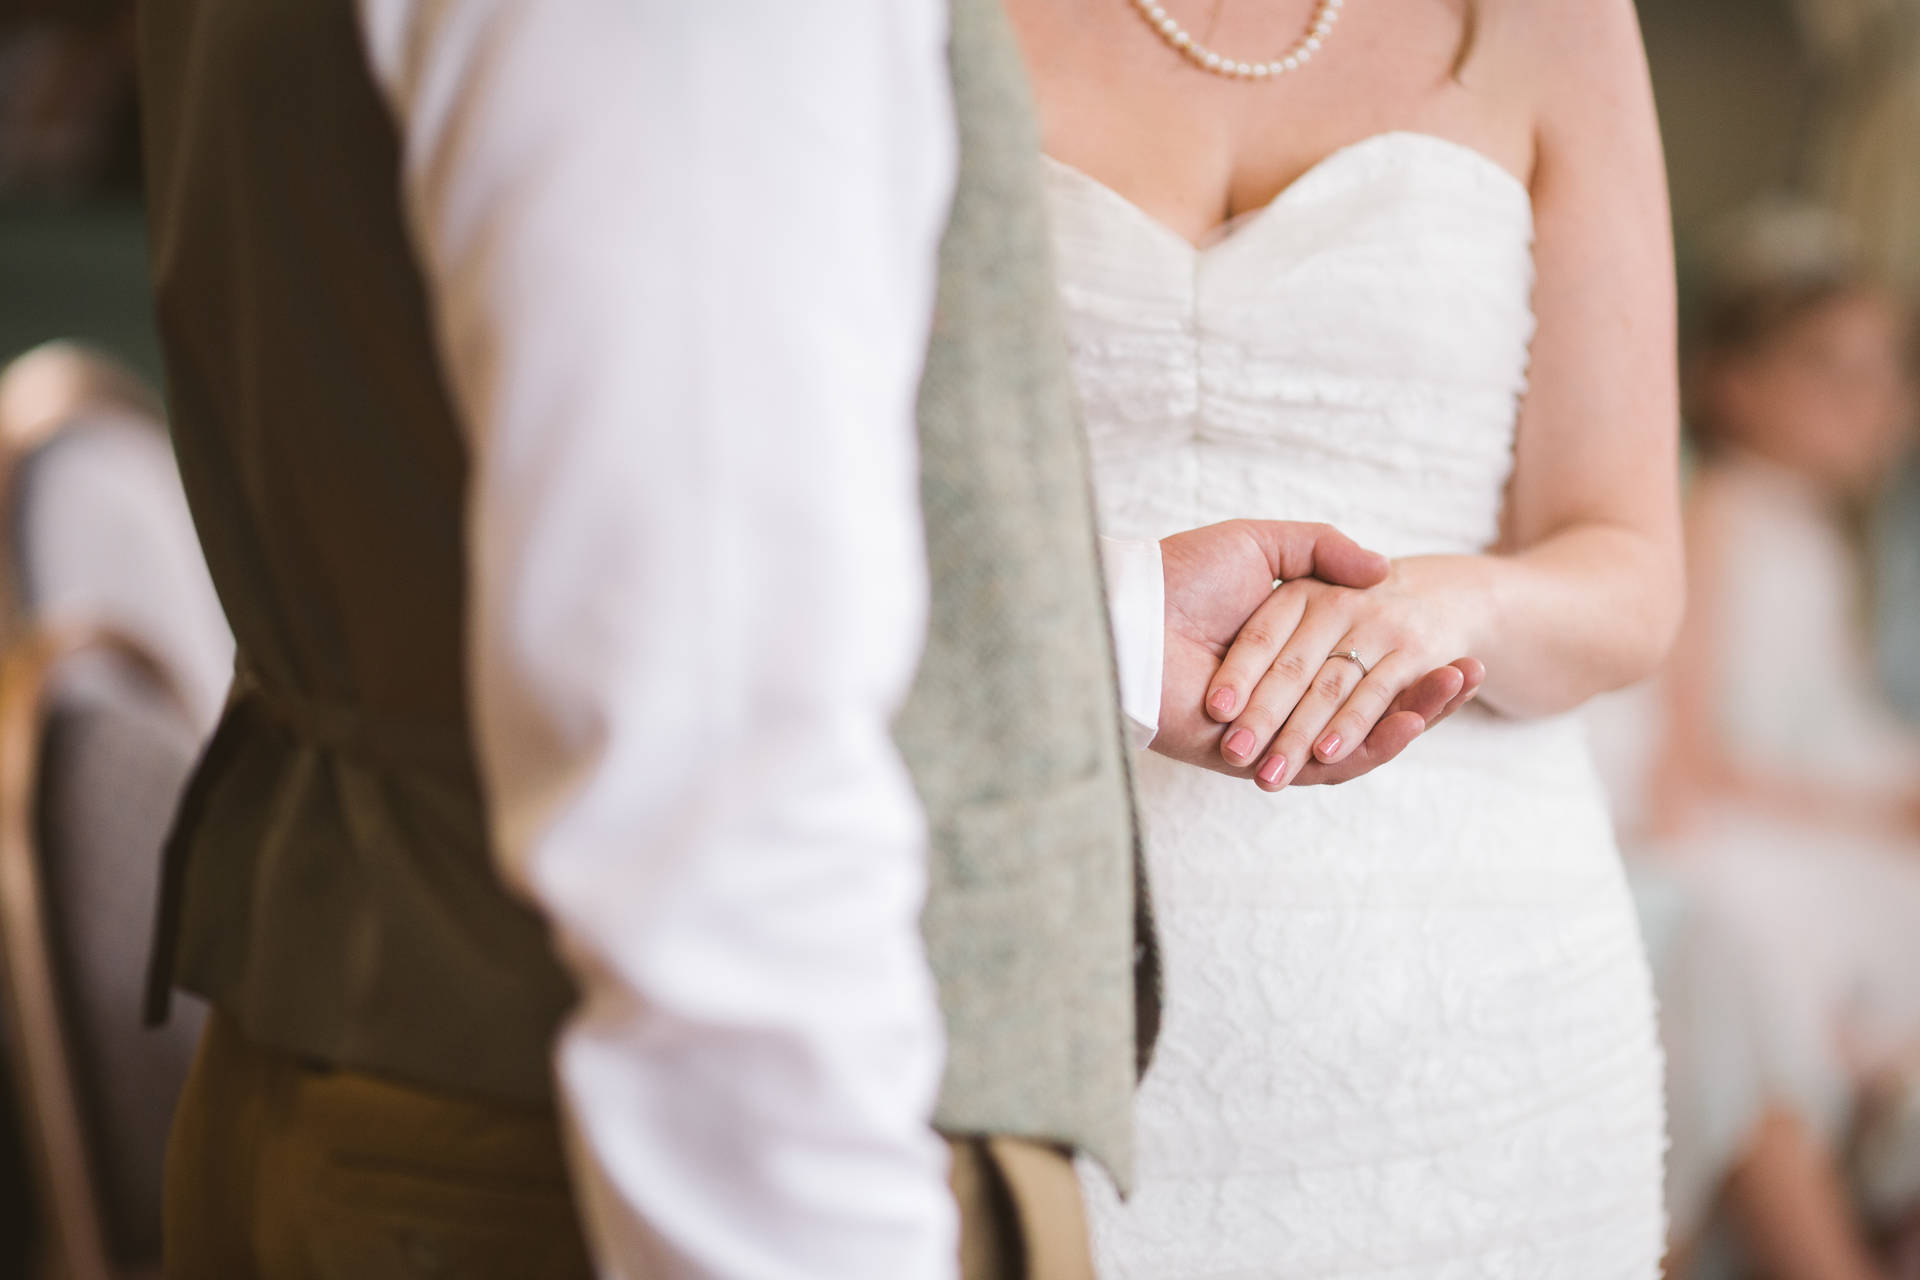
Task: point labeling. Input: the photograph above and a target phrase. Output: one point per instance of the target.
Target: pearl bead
(1302, 52)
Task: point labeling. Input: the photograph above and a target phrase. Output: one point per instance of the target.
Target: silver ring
(1353, 656)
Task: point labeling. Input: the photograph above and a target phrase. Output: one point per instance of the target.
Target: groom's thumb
(1297, 550)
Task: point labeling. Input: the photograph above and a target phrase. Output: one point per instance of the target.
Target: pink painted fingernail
(1273, 770)
(1222, 700)
(1239, 743)
(1329, 745)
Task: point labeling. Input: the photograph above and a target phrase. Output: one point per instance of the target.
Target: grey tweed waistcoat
(329, 881)
(1013, 731)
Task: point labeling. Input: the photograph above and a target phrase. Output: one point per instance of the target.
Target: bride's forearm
(1590, 609)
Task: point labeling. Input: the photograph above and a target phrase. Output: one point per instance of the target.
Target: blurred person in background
(1785, 795)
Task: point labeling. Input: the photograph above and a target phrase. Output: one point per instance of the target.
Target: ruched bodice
(1408, 1029)
(1354, 349)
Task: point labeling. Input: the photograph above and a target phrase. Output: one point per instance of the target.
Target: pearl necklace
(1206, 59)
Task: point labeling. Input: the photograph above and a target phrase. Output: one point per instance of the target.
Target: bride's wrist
(1457, 594)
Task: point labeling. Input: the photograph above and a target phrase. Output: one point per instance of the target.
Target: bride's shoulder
(1565, 28)
(1576, 69)
(1563, 53)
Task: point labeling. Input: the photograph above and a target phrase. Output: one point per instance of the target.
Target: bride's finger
(1279, 689)
(1365, 707)
(1389, 738)
(1417, 708)
(1253, 651)
(1294, 746)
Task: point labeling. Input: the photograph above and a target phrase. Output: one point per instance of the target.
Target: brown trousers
(281, 1171)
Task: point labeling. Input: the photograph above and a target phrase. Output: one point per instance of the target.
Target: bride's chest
(1403, 261)
(1359, 346)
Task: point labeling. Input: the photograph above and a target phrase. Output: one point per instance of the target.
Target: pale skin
(1583, 592)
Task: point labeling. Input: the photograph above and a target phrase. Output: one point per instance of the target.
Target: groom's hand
(1215, 578)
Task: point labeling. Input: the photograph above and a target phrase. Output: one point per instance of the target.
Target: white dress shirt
(682, 259)
(1136, 601)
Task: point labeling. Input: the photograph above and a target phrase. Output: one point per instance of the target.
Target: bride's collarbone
(1196, 151)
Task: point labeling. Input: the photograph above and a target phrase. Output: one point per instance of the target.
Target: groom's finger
(1433, 696)
(1474, 672)
(1297, 550)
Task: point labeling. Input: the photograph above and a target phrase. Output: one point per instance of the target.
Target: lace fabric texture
(1409, 1029)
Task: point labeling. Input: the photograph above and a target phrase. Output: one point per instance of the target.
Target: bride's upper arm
(1599, 424)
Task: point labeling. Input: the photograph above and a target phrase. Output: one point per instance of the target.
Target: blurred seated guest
(1786, 795)
(97, 526)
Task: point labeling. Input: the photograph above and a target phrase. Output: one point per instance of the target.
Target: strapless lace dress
(1409, 1030)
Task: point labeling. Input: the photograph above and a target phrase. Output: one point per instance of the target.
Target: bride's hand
(1293, 704)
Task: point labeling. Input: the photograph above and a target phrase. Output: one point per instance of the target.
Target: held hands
(1221, 604)
(1294, 702)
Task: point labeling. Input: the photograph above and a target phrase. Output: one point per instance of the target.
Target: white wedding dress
(1408, 1028)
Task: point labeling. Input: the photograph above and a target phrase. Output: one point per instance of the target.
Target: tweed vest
(329, 881)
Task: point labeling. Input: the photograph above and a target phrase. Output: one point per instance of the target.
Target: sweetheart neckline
(1231, 230)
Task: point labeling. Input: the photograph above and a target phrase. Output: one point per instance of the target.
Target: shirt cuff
(1136, 603)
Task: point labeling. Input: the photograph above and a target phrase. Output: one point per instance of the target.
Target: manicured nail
(1273, 770)
(1222, 700)
(1329, 745)
(1239, 743)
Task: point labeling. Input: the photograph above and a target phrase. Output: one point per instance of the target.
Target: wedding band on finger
(1353, 656)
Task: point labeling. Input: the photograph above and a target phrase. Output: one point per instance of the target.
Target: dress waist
(1483, 810)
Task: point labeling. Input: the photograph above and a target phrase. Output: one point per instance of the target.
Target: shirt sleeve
(1136, 605)
(681, 260)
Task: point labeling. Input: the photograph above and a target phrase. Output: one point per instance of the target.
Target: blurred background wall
(1735, 91)
(72, 246)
